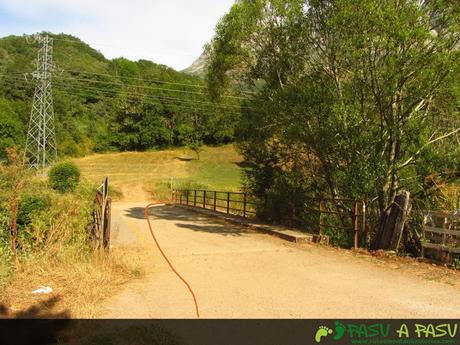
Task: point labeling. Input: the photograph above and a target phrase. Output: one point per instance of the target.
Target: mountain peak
(198, 67)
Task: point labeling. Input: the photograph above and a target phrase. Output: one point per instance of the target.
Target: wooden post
(244, 205)
(215, 200)
(180, 198)
(356, 224)
(228, 202)
(391, 224)
(363, 226)
(204, 199)
(321, 208)
(425, 221)
(444, 256)
(194, 198)
(108, 213)
(187, 196)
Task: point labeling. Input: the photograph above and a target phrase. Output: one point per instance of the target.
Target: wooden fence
(441, 235)
(100, 230)
(316, 215)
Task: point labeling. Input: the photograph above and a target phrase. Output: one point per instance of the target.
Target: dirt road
(237, 273)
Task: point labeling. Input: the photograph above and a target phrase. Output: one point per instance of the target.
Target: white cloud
(171, 32)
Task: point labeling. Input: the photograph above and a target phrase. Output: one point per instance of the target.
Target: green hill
(107, 105)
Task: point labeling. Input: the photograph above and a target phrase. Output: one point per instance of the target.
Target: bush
(31, 204)
(64, 177)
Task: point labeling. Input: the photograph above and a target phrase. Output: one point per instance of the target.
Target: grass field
(141, 175)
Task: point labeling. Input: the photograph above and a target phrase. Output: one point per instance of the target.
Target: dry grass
(80, 285)
(139, 176)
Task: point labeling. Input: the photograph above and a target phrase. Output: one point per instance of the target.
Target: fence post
(187, 196)
(244, 204)
(180, 198)
(228, 202)
(194, 198)
(215, 199)
(356, 225)
(425, 222)
(321, 208)
(106, 234)
(363, 226)
(204, 199)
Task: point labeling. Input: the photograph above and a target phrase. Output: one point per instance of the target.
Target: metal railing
(235, 203)
(319, 214)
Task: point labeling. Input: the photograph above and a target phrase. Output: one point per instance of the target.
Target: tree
(353, 97)
(10, 129)
(191, 134)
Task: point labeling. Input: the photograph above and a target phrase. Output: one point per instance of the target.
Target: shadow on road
(26, 331)
(39, 325)
(188, 220)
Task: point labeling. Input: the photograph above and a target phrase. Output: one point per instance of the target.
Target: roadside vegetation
(352, 99)
(44, 241)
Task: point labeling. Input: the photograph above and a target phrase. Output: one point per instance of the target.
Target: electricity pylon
(41, 148)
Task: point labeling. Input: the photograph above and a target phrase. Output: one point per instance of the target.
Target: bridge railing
(316, 215)
(236, 203)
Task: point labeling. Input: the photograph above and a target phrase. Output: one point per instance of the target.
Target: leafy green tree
(359, 97)
(11, 131)
(191, 134)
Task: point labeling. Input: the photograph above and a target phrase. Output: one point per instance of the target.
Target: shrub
(31, 204)
(64, 177)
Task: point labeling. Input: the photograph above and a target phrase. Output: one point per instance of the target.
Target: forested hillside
(109, 105)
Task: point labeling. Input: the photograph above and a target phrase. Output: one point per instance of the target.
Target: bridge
(238, 272)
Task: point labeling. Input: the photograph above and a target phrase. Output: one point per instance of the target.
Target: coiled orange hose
(146, 215)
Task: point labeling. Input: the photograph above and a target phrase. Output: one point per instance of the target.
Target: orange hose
(166, 258)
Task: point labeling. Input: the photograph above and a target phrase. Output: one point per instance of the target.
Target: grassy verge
(80, 284)
(54, 249)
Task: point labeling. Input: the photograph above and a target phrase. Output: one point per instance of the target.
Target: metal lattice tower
(41, 148)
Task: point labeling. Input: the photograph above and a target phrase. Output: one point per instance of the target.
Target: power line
(137, 78)
(130, 93)
(162, 98)
(149, 80)
(149, 102)
(144, 87)
(144, 80)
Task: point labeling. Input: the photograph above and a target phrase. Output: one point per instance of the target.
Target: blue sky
(171, 32)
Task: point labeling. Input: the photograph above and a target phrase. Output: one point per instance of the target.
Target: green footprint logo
(322, 331)
(339, 330)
